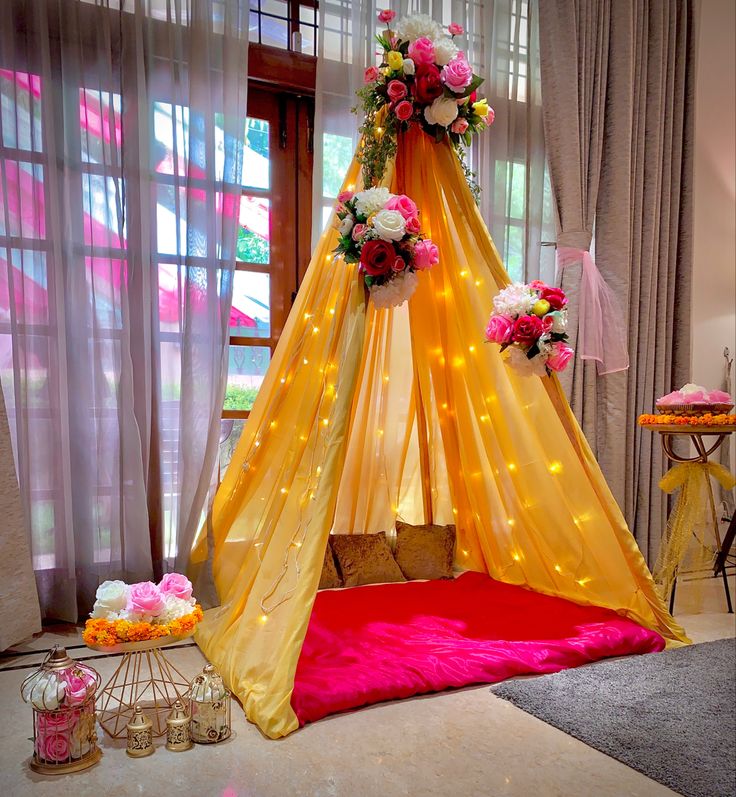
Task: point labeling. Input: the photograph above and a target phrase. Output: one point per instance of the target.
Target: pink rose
(404, 205)
(344, 196)
(528, 329)
(489, 117)
(403, 110)
(396, 90)
(500, 329)
(413, 226)
(426, 255)
(455, 30)
(177, 585)
(53, 746)
(457, 75)
(719, 397)
(78, 689)
(459, 126)
(698, 397)
(421, 51)
(386, 16)
(560, 357)
(675, 397)
(555, 296)
(399, 264)
(538, 285)
(145, 598)
(359, 231)
(57, 721)
(371, 74)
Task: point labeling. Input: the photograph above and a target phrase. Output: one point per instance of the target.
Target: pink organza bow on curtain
(602, 333)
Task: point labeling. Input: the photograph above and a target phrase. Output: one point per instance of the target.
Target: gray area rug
(670, 715)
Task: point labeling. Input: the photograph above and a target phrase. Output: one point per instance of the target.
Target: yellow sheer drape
(366, 416)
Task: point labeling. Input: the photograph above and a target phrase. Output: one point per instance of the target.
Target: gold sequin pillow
(330, 578)
(365, 559)
(425, 551)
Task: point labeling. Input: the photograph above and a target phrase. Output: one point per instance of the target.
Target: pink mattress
(386, 641)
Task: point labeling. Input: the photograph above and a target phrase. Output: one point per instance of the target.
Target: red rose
(427, 83)
(528, 329)
(555, 296)
(377, 257)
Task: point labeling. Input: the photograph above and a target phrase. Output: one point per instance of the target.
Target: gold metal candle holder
(140, 735)
(178, 725)
(62, 694)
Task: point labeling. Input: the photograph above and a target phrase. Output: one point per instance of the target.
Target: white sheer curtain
(121, 146)
(501, 40)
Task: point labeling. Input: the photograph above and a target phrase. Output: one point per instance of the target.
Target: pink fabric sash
(602, 331)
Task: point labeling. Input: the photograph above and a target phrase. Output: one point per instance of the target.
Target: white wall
(714, 288)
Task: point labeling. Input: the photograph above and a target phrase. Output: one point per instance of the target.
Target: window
(286, 24)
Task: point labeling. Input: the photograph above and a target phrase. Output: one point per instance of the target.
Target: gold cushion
(365, 559)
(330, 578)
(425, 551)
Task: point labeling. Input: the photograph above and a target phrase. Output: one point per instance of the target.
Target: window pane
(179, 145)
(515, 252)
(275, 32)
(22, 199)
(254, 231)
(25, 281)
(100, 123)
(255, 165)
(185, 210)
(337, 153)
(102, 201)
(247, 367)
(20, 110)
(250, 315)
(106, 278)
(230, 431)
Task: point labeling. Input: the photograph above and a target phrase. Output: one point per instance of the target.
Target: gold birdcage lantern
(62, 695)
(209, 707)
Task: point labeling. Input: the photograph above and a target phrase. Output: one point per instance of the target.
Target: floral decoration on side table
(424, 78)
(381, 232)
(141, 612)
(529, 322)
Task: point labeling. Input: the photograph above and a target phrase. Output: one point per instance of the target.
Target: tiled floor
(466, 742)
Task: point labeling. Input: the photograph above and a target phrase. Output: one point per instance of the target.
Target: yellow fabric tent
(367, 415)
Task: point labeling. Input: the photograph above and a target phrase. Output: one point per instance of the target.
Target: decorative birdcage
(209, 707)
(62, 695)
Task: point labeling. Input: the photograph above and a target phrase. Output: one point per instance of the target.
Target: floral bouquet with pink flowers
(141, 612)
(425, 79)
(381, 232)
(530, 322)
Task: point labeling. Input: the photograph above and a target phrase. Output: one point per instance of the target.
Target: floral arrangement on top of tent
(381, 231)
(424, 79)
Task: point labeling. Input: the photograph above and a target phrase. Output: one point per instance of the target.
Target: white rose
(372, 200)
(559, 321)
(390, 225)
(112, 596)
(692, 388)
(44, 691)
(346, 225)
(409, 66)
(418, 25)
(443, 111)
(444, 51)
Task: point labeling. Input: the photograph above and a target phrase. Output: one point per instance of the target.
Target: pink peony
(177, 585)
(396, 90)
(54, 746)
(403, 110)
(421, 51)
(344, 196)
(696, 397)
(459, 126)
(404, 205)
(500, 329)
(78, 688)
(371, 74)
(457, 74)
(359, 231)
(560, 356)
(426, 255)
(675, 397)
(145, 598)
(719, 397)
(399, 264)
(412, 226)
(386, 16)
(455, 30)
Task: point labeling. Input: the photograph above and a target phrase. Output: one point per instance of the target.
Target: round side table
(704, 448)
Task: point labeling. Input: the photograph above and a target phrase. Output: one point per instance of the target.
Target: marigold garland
(707, 419)
(107, 633)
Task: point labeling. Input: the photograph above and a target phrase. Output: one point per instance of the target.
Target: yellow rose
(541, 307)
(481, 108)
(395, 60)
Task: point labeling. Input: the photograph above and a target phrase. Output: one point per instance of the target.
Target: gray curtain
(618, 95)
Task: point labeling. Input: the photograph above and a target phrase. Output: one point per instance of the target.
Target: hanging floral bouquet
(530, 322)
(424, 79)
(141, 612)
(381, 231)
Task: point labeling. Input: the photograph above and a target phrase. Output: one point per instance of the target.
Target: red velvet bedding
(385, 641)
